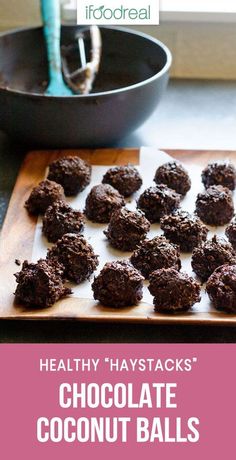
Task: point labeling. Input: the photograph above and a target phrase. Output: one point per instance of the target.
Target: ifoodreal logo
(118, 12)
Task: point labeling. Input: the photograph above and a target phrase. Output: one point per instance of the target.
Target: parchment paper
(150, 159)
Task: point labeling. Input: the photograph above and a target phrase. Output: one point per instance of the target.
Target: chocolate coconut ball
(125, 179)
(119, 284)
(210, 255)
(215, 206)
(175, 176)
(219, 173)
(76, 255)
(173, 291)
(40, 285)
(126, 229)
(184, 229)
(221, 288)
(101, 202)
(43, 196)
(154, 254)
(59, 219)
(73, 173)
(231, 232)
(157, 201)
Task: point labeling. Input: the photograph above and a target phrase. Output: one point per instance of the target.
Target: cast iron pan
(131, 81)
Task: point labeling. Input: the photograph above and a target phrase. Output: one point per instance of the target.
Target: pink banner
(80, 401)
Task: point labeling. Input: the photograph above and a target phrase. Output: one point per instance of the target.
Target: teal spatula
(52, 32)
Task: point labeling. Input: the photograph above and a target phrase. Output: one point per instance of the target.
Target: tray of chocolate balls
(123, 235)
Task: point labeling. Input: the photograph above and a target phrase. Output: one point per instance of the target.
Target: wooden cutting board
(17, 239)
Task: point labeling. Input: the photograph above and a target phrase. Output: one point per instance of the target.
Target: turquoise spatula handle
(52, 32)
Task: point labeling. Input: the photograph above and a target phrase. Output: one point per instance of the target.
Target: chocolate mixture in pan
(221, 288)
(175, 176)
(219, 173)
(40, 285)
(158, 201)
(126, 229)
(125, 179)
(210, 255)
(76, 255)
(184, 229)
(73, 173)
(119, 284)
(59, 219)
(173, 291)
(154, 254)
(215, 206)
(101, 202)
(43, 196)
(231, 232)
